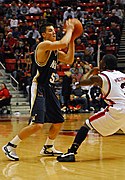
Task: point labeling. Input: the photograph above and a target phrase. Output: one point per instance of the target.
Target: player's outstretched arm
(91, 78)
(68, 57)
(93, 71)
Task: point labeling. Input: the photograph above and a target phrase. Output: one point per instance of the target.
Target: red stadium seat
(30, 18)
(10, 65)
(65, 67)
(97, 23)
(23, 61)
(90, 10)
(45, 5)
(30, 23)
(60, 73)
(93, 42)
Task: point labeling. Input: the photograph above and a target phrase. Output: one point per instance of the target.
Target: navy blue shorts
(46, 108)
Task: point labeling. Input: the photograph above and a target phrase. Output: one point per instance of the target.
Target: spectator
(16, 33)
(89, 51)
(17, 50)
(79, 14)
(77, 104)
(111, 39)
(89, 20)
(73, 67)
(4, 96)
(122, 2)
(103, 33)
(13, 22)
(89, 27)
(113, 18)
(66, 88)
(118, 12)
(79, 49)
(68, 13)
(35, 33)
(14, 9)
(2, 9)
(9, 13)
(26, 84)
(35, 10)
(59, 15)
(95, 97)
(77, 74)
(34, 46)
(82, 67)
(31, 41)
(2, 25)
(60, 33)
(74, 83)
(115, 28)
(24, 10)
(97, 15)
(24, 27)
(107, 8)
(81, 97)
(54, 4)
(49, 16)
(7, 51)
(84, 38)
(11, 40)
(104, 21)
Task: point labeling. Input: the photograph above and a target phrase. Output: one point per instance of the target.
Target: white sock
(16, 140)
(49, 141)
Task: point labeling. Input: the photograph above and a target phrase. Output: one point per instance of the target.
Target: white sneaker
(10, 152)
(50, 150)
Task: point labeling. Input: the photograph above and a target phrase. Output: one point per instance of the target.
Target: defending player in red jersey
(111, 119)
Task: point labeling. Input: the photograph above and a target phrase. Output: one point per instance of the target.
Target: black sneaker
(11, 154)
(67, 157)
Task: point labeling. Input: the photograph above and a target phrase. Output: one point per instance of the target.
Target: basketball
(78, 28)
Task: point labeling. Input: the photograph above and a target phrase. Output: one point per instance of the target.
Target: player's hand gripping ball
(78, 28)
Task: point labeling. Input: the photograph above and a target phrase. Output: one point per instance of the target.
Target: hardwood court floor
(99, 158)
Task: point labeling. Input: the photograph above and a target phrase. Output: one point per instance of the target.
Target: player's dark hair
(110, 61)
(43, 27)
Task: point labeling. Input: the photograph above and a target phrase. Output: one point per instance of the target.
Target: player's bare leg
(49, 148)
(10, 148)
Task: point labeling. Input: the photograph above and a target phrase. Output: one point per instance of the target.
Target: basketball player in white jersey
(45, 106)
(112, 118)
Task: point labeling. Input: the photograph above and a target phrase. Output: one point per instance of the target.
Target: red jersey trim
(98, 115)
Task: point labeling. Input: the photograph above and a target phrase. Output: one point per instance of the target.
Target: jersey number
(52, 79)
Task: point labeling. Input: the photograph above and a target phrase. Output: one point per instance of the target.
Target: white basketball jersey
(113, 87)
